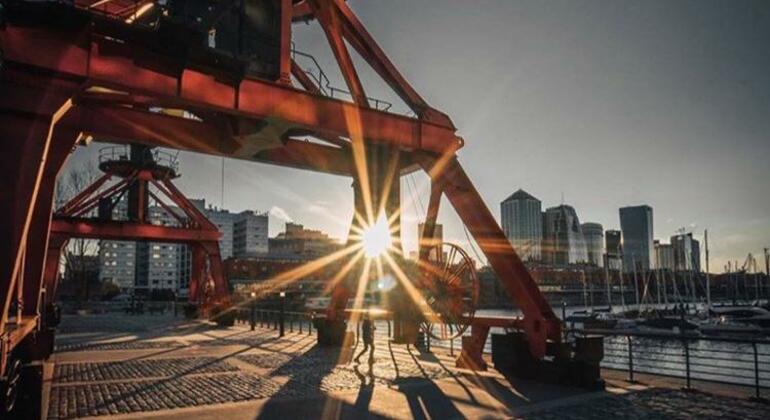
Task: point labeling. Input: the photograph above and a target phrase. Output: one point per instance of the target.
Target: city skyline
(607, 84)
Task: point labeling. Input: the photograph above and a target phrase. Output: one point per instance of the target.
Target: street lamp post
(283, 307)
(252, 321)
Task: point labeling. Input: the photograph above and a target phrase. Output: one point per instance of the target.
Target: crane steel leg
(540, 323)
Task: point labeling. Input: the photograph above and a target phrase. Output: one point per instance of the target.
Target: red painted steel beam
(26, 142)
(127, 125)
(540, 323)
(366, 46)
(328, 16)
(37, 243)
(94, 60)
(128, 231)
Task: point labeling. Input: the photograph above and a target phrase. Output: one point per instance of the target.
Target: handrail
(324, 84)
(123, 153)
(650, 334)
(746, 362)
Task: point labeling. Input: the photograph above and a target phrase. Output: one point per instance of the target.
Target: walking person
(367, 334)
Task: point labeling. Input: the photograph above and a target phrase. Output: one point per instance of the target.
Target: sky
(598, 104)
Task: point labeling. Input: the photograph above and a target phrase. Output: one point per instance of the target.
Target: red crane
(103, 68)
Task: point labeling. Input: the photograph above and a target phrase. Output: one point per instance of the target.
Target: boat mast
(607, 281)
(767, 270)
(620, 278)
(708, 278)
(636, 282)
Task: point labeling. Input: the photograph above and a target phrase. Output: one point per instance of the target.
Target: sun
(376, 238)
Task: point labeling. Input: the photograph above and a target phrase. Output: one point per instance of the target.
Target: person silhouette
(367, 335)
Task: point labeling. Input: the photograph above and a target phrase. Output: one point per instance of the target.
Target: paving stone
(134, 369)
(660, 403)
(119, 345)
(70, 401)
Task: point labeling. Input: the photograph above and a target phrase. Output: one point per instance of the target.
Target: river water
(721, 361)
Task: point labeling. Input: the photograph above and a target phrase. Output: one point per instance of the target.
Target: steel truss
(81, 73)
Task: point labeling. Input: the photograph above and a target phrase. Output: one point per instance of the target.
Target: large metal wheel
(450, 287)
(9, 386)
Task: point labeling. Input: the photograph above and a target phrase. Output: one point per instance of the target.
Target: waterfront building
(224, 221)
(522, 223)
(614, 250)
(593, 234)
(116, 263)
(664, 256)
(686, 252)
(637, 229)
(297, 242)
(250, 234)
(696, 256)
(161, 265)
(117, 259)
(563, 241)
(144, 265)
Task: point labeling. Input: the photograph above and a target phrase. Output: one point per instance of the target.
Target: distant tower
(563, 240)
(637, 228)
(612, 245)
(522, 223)
(593, 233)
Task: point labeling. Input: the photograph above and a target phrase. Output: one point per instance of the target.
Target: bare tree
(80, 253)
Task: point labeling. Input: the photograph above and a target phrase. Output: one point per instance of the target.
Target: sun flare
(376, 238)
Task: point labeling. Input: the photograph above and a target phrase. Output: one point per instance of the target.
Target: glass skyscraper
(522, 224)
(636, 226)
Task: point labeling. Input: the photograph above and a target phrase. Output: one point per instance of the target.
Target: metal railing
(726, 360)
(123, 153)
(322, 82)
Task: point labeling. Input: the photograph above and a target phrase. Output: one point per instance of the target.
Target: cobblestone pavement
(139, 396)
(135, 369)
(163, 364)
(120, 345)
(660, 403)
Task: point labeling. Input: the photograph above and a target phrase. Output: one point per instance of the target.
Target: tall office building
(636, 226)
(696, 255)
(664, 256)
(563, 241)
(686, 252)
(593, 233)
(250, 234)
(612, 244)
(522, 223)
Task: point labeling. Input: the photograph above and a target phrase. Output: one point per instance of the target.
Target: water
(726, 362)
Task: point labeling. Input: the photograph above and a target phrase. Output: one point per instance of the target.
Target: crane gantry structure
(148, 73)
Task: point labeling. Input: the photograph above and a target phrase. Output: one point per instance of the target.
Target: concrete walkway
(120, 366)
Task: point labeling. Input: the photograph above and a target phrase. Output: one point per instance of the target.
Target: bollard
(630, 360)
(687, 361)
(452, 347)
(252, 320)
(756, 372)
